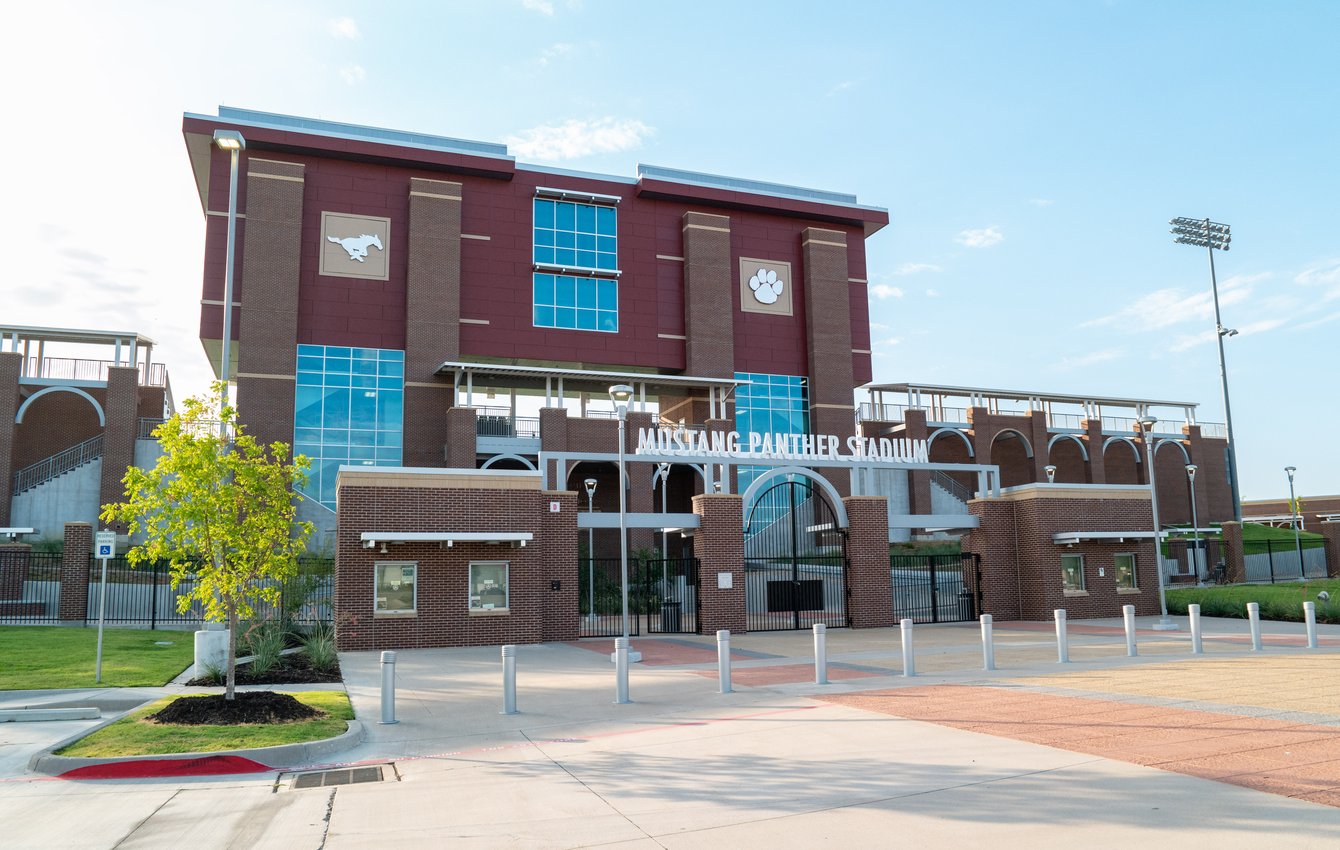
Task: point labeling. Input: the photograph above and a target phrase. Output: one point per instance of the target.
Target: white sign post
(104, 547)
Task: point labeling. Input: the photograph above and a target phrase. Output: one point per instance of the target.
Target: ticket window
(489, 589)
(396, 588)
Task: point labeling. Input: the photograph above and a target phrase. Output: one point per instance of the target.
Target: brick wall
(709, 306)
(828, 338)
(869, 590)
(1235, 563)
(719, 548)
(443, 618)
(1330, 532)
(54, 423)
(74, 571)
(118, 445)
(10, 364)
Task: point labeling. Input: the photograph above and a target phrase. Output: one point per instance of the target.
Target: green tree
(220, 507)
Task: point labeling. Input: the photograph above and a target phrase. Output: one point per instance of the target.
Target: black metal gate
(936, 588)
(795, 560)
(662, 596)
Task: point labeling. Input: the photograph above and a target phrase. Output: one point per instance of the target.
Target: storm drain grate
(341, 776)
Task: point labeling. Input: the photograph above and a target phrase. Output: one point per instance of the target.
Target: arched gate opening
(795, 559)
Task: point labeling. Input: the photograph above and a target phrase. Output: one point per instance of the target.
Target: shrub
(266, 641)
(319, 646)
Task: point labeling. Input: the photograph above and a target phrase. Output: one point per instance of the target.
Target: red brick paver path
(1292, 759)
(786, 674)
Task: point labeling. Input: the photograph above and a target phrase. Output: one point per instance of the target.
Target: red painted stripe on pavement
(168, 767)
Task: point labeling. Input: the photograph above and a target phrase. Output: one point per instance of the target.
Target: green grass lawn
(35, 657)
(132, 735)
(1282, 601)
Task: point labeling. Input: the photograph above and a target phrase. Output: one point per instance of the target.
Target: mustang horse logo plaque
(357, 246)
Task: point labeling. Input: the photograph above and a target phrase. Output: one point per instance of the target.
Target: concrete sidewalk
(769, 765)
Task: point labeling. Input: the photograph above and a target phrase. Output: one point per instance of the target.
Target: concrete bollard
(1128, 619)
(988, 644)
(1062, 639)
(820, 654)
(1254, 619)
(723, 661)
(1193, 611)
(388, 689)
(621, 671)
(1310, 617)
(909, 659)
(509, 679)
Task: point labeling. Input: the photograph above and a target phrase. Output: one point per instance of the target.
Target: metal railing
(496, 425)
(145, 431)
(77, 369)
(869, 412)
(1214, 430)
(1066, 420)
(58, 464)
(952, 487)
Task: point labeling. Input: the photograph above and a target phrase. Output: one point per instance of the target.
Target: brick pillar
(554, 438)
(14, 562)
(1093, 437)
(460, 439)
(74, 571)
(118, 442)
(641, 498)
(994, 540)
(1233, 553)
(828, 339)
(709, 302)
(918, 481)
(1039, 436)
(869, 590)
(1330, 532)
(432, 316)
(267, 325)
(11, 363)
(558, 539)
(719, 548)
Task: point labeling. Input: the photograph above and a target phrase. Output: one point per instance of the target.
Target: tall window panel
(576, 235)
(770, 404)
(348, 409)
(576, 303)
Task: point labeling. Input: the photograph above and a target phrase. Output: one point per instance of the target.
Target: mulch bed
(246, 707)
(292, 669)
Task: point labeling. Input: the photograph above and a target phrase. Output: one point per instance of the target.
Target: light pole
(663, 472)
(1210, 235)
(590, 551)
(1147, 424)
(1050, 469)
(1294, 520)
(231, 141)
(620, 394)
(1195, 525)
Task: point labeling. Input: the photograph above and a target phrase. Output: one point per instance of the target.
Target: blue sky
(1030, 155)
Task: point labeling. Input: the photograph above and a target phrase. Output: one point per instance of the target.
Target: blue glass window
(576, 303)
(348, 408)
(769, 404)
(590, 229)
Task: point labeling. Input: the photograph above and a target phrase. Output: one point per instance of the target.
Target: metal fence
(1278, 560)
(662, 596)
(29, 588)
(936, 588)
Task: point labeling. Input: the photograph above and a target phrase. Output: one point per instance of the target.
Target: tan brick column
(709, 303)
(11, 363)
(719, 548)
(554, 438)
(74, 571)
(1093, 429)
(869, 586)
(828, 338)
(918, 481)
(118, 442)
(1233, 551)
(432, 316)
(267, 327)
(558, 539)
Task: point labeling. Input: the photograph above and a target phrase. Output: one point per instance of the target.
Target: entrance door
(795, 560)
(936, 588)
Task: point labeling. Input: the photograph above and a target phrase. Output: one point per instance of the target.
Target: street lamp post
(1147, 424)
(590, 551)
(663, 472)
(1195, 524)
(1294, 518)
(1050, 469)
(1210, 235)
(231, 141)
(620, 395)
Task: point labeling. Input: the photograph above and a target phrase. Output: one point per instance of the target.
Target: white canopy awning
(372, 538)
(1066, 538)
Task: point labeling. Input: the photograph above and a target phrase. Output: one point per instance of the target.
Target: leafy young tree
(218, 507)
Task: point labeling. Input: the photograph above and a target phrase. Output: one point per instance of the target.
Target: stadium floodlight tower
(1212, 235)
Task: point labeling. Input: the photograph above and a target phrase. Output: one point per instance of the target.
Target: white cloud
(878, 326)
(932, 293)
(1164, 308)
(1320, 321)
(544, 7)
(916, 268)
(1041, 202)
(1092, 358)
(883, 290)
(984, 237)
(353, 74)
(554, 52)
(890, 341)
(1188, 341)
(344, 28)
(1326, 276)
(574, 139)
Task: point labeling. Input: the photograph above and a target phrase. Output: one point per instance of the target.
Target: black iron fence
(796, 592)
(29, 588)
(662, 596)
(1280, 560)
(936, 588)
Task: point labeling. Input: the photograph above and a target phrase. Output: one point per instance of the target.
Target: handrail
(146, 428)
(79, 369)
(949, 485)
(58, 464)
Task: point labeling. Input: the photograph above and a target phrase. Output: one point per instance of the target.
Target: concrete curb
(35, 715)
(277, 757)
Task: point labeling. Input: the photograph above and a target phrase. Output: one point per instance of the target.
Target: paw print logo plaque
(765, 286)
